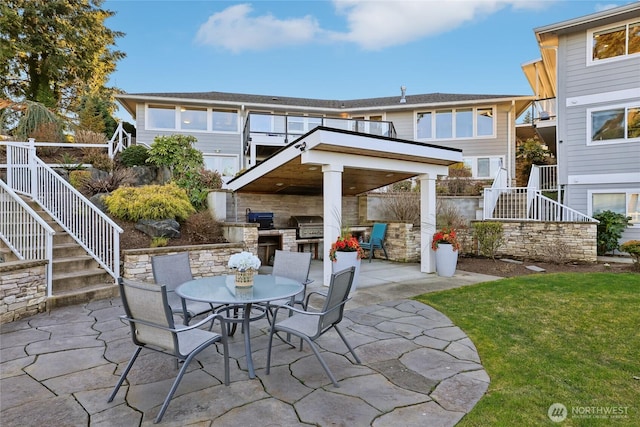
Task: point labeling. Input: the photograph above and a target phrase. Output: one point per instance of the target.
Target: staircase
(76, 276)
(511, 205)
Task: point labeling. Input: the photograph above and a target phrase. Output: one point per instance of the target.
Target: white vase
(446, 260)
(345, 260)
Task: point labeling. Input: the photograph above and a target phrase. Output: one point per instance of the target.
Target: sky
(340, 49)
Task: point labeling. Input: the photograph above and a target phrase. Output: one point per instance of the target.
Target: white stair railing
(528, 204)
(88, 225)
(120, 140)
(491, 197)
(23, 231)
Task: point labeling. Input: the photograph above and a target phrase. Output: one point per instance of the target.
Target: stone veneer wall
(205, 260)
(545, 241)
(402, 242)
(23, 289)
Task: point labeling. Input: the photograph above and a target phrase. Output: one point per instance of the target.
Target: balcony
(264, 134)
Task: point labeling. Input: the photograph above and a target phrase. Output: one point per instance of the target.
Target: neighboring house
(587, 87)
(237, 131)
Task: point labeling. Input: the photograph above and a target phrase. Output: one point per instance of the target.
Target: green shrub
(149, 202)
(610, 230)
(490, 236)
(198, 184)
(159, 242)
(134, 155)
(113, 181)
(632, 247)
(176, 152)
(78, 178)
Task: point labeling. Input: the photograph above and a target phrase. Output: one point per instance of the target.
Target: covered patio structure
(336, 163)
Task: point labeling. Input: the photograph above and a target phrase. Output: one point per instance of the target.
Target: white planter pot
(345, 260)
(446, 260)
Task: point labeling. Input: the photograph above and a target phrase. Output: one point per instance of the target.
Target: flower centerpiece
(346, 243)
(245, 264)
(446, 235)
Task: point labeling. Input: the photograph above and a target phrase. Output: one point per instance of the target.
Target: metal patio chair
(173, 270)
(310, 325)
(151, 319)
(295, 266)
(376, 240)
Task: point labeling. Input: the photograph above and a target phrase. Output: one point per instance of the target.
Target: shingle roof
(430, 98)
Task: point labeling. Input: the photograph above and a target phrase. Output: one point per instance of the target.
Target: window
(227, 166)
(444, 124)
(455, 123)
(614, 124)
(193, 118)
(615, 42)
(161, 117)
(225, 121)
(626, 203)
(196, 119)
(483, 167)
(424, 126)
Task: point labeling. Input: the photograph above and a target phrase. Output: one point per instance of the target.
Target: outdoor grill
(307, 226)
(264, 219)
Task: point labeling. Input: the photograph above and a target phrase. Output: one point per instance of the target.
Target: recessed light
(312, 168)
(279, 184)
(389, 175)
(352, 188)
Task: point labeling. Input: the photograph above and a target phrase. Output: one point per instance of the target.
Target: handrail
(98, 234)
(491, 197)
(124, 140)
(528, 204)
(27, 235)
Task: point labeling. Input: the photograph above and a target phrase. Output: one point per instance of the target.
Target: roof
(368, 162)
(597, 19)
(306, 104)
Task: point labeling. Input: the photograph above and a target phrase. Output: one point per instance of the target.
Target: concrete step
(84, 295)
(66, 250)
(78, 280)
(70, 264)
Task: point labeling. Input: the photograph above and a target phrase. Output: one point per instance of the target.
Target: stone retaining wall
(205, 260)
(558, 242)
(23, 289)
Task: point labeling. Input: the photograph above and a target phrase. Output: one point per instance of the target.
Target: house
(587, 107)
(237, 131)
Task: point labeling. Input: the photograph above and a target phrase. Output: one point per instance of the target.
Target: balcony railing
(277, 130)
(544, 109)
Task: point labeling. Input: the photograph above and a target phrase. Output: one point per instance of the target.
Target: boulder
(159, 228)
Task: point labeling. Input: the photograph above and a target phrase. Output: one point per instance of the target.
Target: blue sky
(342, 49)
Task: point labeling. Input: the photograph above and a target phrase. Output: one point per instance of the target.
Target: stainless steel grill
(307, 226)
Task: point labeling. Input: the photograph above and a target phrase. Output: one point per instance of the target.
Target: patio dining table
(222, 290)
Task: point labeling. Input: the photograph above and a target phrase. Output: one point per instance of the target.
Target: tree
(55, 51)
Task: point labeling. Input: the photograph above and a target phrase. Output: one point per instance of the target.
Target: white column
(332, 213)
(427, 222)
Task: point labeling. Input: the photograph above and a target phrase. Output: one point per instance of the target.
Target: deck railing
(24, 232)
(543, 177)
(527, 204)
(88, 225)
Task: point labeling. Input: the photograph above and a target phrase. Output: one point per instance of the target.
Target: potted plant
(246, 265)
(346, 252)
(446, 245)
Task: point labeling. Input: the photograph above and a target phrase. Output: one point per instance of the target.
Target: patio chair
(151, 319)
(310, 325)
(376, 240)
(295, 266)
(173, 270)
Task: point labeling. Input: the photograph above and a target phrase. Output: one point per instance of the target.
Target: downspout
(509, 138)
(244, 121)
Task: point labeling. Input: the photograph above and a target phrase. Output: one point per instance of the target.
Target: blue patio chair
(376, 240)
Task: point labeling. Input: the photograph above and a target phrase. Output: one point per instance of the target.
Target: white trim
(598, 98)
(177, 125)
(605, 178)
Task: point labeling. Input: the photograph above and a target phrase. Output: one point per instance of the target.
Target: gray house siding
(579, 161)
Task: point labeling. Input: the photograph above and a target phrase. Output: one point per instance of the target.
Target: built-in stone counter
(278, 238)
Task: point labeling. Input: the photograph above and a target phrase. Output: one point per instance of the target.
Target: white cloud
(235, 30)
(371, 24)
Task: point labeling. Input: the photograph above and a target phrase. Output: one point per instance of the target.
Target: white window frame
(591, 61)
(624, 140)
(475, 135)
(473, 161)
(635, 219)
(178, 120)
(225, 178)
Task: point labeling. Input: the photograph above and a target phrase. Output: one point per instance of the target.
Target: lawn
(568, 338)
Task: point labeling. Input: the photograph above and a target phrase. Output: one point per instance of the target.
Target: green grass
(567, 338)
